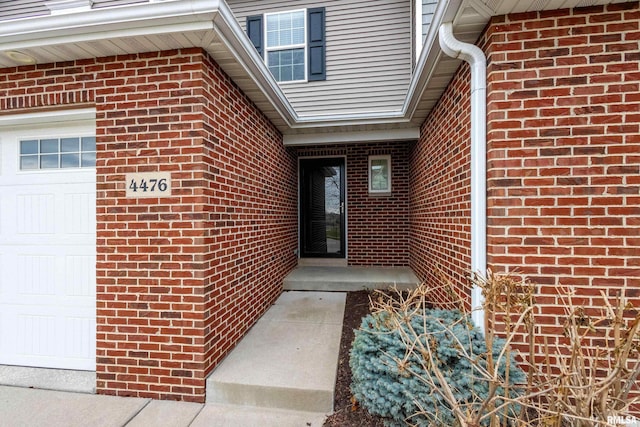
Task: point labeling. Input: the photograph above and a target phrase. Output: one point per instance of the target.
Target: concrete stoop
(343, 279)
(288, 360)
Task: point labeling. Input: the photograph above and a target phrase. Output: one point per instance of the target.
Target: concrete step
(344, 279)
(220, 415)
(288, 360)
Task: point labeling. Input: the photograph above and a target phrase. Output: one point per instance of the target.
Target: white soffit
(505, 7)
(375, 134)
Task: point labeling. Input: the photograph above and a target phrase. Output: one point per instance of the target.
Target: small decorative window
(58, 153)
(286, 45)
(380, 174)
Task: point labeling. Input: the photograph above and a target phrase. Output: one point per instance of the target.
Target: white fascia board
(103, 34)
(97, 24)
(239, 45)
(430, 55)
(53, 116)
(347, 119)
(397, 135)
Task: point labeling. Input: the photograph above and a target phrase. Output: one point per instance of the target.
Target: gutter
(98, 24)
(476, 59)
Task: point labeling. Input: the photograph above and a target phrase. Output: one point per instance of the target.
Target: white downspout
(476, 59)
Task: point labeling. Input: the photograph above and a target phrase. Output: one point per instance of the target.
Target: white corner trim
(418, 29)
(56, 116)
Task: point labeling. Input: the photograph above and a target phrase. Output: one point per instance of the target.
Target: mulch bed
(346, 414)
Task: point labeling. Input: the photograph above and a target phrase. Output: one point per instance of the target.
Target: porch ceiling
(211, 25)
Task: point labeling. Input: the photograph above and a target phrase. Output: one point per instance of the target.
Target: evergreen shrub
(390, 371)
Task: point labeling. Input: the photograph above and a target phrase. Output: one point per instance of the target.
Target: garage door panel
(65, 276)
(34, 214)
(80, 276)
(49, 340)
(47, 262)
(79, 342)
(35, 275)
(43, 334)
(79, 213)
(66, 218)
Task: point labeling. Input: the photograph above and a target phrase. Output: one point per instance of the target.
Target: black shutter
(254, 31)
(317, 44)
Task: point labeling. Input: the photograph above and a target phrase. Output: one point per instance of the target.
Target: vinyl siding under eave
(16, 9)
(428, 10)
(97, 4)
(368, 57)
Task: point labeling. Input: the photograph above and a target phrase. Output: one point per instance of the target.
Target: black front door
(322, 208)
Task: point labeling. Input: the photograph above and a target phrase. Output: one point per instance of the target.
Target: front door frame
(345, 215)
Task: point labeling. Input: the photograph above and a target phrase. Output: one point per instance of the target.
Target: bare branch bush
(494, 383)
(593, 381)
(588, 378)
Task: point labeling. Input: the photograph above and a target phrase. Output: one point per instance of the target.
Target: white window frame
(386, 157)
(304, 45)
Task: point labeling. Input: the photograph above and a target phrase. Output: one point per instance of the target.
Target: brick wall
(179, 279)
(252, 214)
(563, 159)
(439, 195)
(564, 151)
(377, 225)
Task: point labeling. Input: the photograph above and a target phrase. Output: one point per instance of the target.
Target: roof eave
(234, 53)
(156, 18)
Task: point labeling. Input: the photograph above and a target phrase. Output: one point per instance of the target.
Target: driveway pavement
(34, 407)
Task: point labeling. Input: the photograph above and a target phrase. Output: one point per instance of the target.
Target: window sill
(288, 82)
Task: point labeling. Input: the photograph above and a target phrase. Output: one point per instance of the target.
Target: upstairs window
(292, 43)
(286, 45)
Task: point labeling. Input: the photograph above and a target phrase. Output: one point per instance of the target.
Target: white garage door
(48, 246)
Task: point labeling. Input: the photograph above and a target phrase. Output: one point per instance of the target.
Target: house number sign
(148, 184)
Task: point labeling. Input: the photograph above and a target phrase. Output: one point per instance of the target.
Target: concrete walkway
(289, 359)
(282, 374)
(343, 279)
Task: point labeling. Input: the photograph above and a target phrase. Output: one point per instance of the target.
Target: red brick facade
(439, 195)
(564, 150)
(179, 279)
(377, 225)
